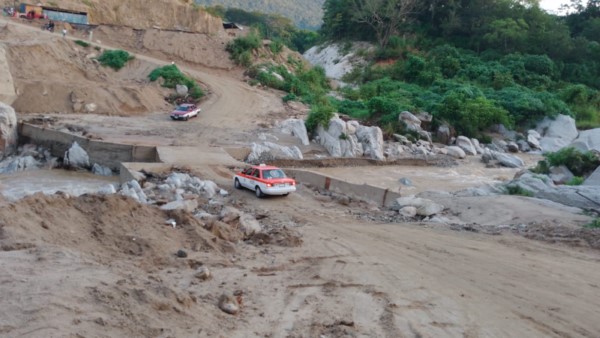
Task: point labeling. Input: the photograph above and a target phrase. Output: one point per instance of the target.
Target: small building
(65, 15)
(31, 11)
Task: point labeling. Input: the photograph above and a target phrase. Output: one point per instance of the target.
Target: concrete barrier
(104, 153)
(364, 192)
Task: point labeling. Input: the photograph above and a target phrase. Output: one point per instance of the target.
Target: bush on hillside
(115, 59)
(172, 77)
(241, 48)
(579, 163)
(319, 115)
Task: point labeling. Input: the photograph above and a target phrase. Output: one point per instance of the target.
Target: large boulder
(594, 178)
(444, 134)
(350, 147)
(337, 128)
(8, 130)
(456, 152)
(510, 161)
(330, 143)
(557, 133)
(561, 174)
(411, 121)
(584, 197)
(295, 127)
(76, 157)
(587, 140)
(533, 139)
(268, 151)
(22, 163)
(372, 141)
(424, 207)
(465, 144)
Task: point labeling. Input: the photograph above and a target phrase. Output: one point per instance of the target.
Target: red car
(185, 111)
(264, 180)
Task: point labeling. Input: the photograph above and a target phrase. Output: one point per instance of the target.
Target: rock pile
(350, 139)
(28, 157)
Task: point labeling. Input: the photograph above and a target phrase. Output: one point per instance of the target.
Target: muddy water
(469, 173)
(18, 185)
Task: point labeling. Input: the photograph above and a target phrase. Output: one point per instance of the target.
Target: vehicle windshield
(273, 173)
(183, 108)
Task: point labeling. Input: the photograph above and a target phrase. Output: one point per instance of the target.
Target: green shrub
(579, 163)
(172, 77)
(518, 190)
(595, 224)
(115, 59)
(276, 46)
(576, 180)
(82, 43)
(290, 97)
(241, 48)
(319, 115)
(542, 167)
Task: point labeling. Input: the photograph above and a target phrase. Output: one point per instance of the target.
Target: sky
(552, 5)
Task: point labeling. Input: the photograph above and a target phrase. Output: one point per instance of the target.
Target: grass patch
(518, 190)
(82, 43)
(172, 77)
(240, 49)
(115, 59)
(576, 180)
(595, 224)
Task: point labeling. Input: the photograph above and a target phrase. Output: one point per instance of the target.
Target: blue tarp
(66, 17)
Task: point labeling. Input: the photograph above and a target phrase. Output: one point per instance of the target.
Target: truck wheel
(237, 184)
(259, 192)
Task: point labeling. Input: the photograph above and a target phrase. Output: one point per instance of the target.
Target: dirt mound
(56, 75)
(107, 228)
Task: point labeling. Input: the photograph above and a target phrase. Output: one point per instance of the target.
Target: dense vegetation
(472, 63)
(172, 77)
(580, 163)
(269, 26)
(305, 14)
(115, 59)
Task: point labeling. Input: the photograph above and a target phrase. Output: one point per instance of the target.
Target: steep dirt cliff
(143, 14)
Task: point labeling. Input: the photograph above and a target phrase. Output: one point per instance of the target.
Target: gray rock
(90, 108)
(372, 141)
(249, 225)
(425, 207)
(229, 214)
(350, 147)
(443, 134)
(181, 254)
(101, 170)
(477, 146)
(203, 273)
(330, 143)
(583, 196)
(560, 174)
(533, 140)
(523, 146)
(337, 128)
(17, 164)
(533, 133)
(411, 121)
(512, 146)
(76, 157)
(229, 304)
(557, 133)
(108, 189)
(408, 211)
(187, 205)
(594, 178)
(456, 152)
(406, 181)
(297, 128)
(181, 90)
(8, 130)
(465, 144)
(510, 161)
(351, 127)
(266, 152)
(587, 140)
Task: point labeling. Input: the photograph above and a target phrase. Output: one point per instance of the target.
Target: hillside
(142, 14)
(305, 14)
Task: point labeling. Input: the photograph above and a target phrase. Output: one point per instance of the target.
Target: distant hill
(306, 14)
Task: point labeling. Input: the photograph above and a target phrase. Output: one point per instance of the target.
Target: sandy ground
(106, 266)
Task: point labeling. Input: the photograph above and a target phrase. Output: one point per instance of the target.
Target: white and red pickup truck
(264, 180)
(185, 111)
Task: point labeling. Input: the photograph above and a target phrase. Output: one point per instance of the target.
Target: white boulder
(456, 152)
(587, 140)
(465, 144)
(76, 157)
(8, 130)
(295, 127)
(269, 151)
(372, 141)
(557, 133)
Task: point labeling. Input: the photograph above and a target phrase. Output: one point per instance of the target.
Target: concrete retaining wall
(104, 153)
(383, 197)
